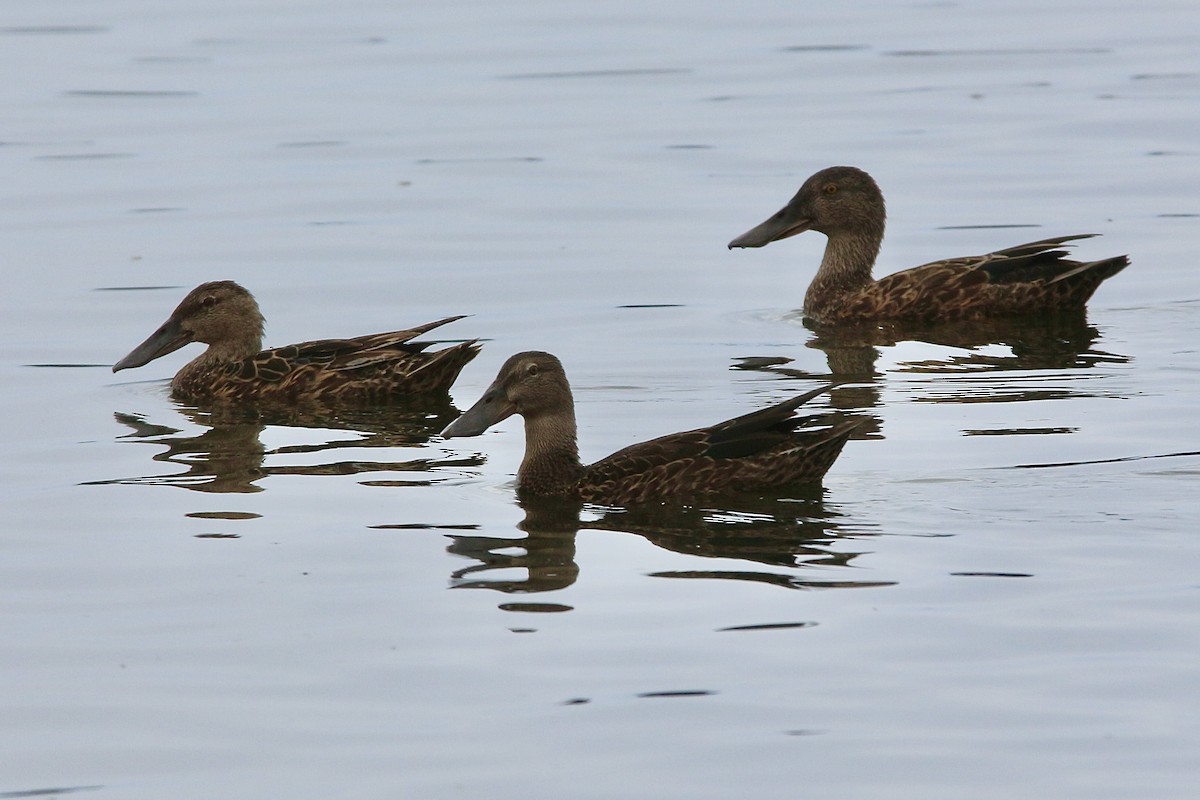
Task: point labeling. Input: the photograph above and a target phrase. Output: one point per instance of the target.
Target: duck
(846, 205)
(766, 451)
(235, 368)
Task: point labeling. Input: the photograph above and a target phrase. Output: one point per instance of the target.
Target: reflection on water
(546, 552)
(787, 534)
(1053, 341)
(224, 458)
(984, 350)
(229, 455)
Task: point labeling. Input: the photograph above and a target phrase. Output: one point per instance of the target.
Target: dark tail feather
(1101, 270)
(764, 418)
(440, 372)
(822, 456)
(1042, 245)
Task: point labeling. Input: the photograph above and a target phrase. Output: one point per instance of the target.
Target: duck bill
(779, 226)
(491, 408)
(167, 339)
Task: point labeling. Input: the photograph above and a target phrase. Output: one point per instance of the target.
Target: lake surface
(994, 594)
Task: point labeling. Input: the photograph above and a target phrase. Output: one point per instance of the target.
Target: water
(993, 596)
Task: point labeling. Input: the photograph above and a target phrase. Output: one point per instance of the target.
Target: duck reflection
(229, 456)
(793, 534)
(546, 553)
(1051, 345)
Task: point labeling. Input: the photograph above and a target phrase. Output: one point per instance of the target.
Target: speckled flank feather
(846, 205)
(369, 369)
(763, 452)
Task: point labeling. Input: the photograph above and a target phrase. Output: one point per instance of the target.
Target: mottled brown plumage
(763, 452)
(366, 369)
(846, 205)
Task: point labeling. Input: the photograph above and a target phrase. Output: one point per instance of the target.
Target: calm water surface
(994, 594)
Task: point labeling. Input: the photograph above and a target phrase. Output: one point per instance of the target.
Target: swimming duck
(365, 369)
(764, 451)
(845, 204)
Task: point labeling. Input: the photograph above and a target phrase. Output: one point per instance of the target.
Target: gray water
(993, 596)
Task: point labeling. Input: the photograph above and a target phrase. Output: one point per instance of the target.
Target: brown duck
(845, 204)
(765, 451)
(365, 369)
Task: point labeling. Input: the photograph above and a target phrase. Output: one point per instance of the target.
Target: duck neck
(845, 267)
(551, 464)
(236, 347)
(219, 354)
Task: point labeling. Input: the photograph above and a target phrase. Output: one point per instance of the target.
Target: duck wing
(374, 365)
(766, 448)
(1028, 278)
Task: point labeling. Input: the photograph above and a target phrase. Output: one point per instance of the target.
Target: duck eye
(209, 301)
(831, 188)
(531, 370)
